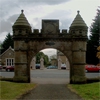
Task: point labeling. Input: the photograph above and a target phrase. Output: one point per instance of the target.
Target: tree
(93, 41)
(40, 55)
(53, 57)
(8, 41)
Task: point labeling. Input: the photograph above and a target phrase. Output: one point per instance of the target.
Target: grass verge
(11, 90)
(87, 91)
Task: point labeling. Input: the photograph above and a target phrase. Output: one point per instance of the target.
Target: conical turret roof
(22, 21)
(78, 21)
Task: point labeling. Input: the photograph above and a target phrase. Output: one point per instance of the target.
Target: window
(9, 62)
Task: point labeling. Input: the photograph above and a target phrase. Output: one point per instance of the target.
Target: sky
(36, 10)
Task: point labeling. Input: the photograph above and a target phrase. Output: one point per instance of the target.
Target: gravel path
(51, 92)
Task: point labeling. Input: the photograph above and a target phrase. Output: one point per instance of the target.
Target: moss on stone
(21, 79)
(78, 79)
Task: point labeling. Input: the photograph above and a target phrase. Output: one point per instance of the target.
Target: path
(51, 92)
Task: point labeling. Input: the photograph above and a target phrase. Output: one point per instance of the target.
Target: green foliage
(93, 41)
(53, 57)
(7, 43)
(42, 55)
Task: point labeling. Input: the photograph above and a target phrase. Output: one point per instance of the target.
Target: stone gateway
(27, 44)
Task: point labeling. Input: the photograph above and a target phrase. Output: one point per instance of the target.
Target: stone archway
(28, 43)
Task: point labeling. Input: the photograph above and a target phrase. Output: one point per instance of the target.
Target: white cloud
(5, 26)
(49, 51)
(13, 18)
(48, 2)
(36, 10)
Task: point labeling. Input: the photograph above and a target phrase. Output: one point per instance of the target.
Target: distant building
(54, 62)
(7, 58)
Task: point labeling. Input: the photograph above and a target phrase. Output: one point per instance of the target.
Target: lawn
(11, 90)
(87, 91)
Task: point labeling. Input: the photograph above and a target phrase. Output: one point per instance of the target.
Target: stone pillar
(59, 63)
(78, 62)
(22, 67)
(21, 31)
(33, 63)
(67, 64)
(41, 63)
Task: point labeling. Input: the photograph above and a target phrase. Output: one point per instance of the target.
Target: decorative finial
(10, 47)
(78, 12)
(22, 11)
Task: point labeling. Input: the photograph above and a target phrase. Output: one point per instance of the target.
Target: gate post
(59, 63)
(78, 31)
(21, 29)
(33, 63)
(78, 62)
(41, 63)
(67, 64)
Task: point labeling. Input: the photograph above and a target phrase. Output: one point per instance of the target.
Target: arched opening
(55, 71)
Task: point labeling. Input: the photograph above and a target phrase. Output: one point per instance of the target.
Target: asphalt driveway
(51, 92)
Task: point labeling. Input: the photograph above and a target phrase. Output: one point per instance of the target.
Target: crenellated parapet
(21, 31)
(36, 31)
(64, 31)
(50, 28)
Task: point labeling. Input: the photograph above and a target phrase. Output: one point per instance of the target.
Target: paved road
(51, 92)
(49, 76)
(51, 85)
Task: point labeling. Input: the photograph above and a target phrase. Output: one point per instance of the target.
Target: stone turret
(78, 30)
(21, 26)
(78, 26)
(21, 30)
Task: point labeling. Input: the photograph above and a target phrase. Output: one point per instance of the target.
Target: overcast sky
(36, 10)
